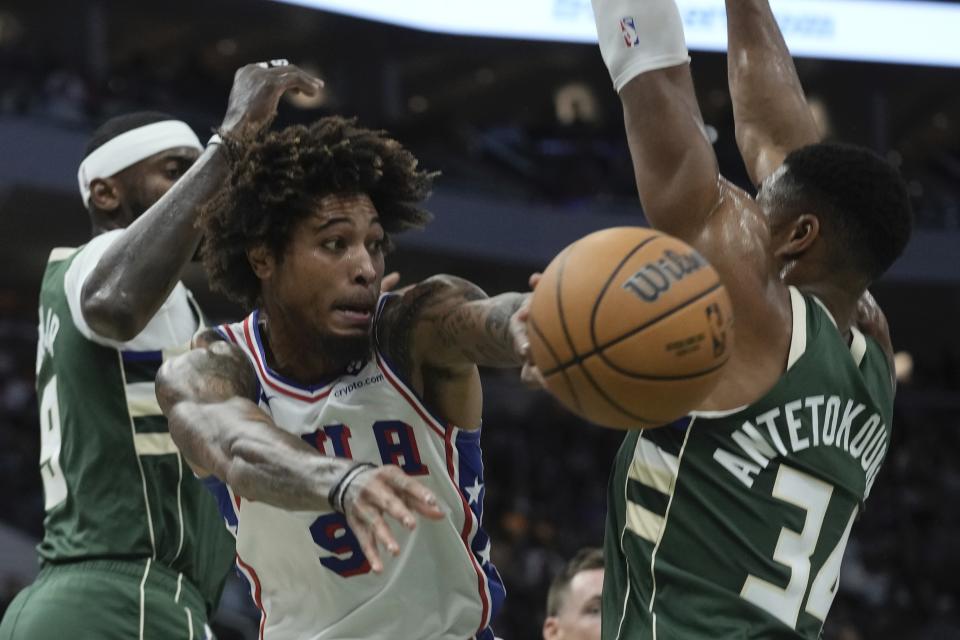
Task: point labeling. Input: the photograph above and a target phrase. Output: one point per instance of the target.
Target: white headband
(131, 147)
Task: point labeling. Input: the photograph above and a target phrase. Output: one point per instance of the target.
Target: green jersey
(733, 524)
(115, 485)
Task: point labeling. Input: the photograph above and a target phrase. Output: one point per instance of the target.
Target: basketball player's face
(579, 617)
(329, 279)
(146, 181)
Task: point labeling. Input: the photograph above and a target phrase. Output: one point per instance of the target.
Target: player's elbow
(109, 316)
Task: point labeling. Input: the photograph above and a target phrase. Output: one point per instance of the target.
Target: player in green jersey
(733, 522)
(134, 546)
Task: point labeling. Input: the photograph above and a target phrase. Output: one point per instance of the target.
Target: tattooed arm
(437, 333)
(462, 326)
(450, 323)
(208, 397)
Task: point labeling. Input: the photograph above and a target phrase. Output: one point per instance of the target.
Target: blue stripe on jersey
(473, 489)
(224, 503)
(380, 303)
(262, 397)
(486, 634)
(142, 356)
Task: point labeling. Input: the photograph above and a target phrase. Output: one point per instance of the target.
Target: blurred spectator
(573, 602)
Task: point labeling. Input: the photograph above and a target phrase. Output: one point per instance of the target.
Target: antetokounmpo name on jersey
(814, 421)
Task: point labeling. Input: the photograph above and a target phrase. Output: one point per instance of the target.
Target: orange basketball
(630, 327)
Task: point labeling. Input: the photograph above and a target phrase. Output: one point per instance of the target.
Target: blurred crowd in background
(565, 151)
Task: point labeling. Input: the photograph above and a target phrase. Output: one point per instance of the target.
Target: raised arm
(137, 273)
(769, 106)
(673, 161)
(644, 49)
(208, 396)
(680, 186)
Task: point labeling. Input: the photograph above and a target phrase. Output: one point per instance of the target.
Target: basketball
(631, 328)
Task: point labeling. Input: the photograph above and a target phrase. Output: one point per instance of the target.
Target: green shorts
(107, 600)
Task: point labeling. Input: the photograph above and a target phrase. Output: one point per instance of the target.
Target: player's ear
(551, 628)
(105, 194)
(261, 261)
(800, 236)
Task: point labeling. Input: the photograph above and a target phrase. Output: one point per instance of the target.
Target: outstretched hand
(530, 374)
(381, 491)
(257, 89)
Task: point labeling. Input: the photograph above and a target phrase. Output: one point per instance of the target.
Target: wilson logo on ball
(630, 328)
(655, 278)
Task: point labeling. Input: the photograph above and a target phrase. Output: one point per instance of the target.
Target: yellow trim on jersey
(59, 254)
(142, 399)
(154, 444)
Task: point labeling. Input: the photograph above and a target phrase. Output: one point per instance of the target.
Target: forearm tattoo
(481, 330)
(468, 324)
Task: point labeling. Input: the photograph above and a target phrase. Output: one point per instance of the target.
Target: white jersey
(171, 327)
(307, 573)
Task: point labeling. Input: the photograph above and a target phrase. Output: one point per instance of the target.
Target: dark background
(521, 179)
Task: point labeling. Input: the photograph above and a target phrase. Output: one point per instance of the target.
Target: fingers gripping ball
(631, 328)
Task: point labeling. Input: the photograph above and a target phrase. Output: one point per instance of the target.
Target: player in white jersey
(330, 407)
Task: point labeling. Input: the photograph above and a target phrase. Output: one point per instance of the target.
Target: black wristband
(335, 496)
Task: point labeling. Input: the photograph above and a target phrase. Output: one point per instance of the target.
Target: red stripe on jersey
(256, 593)
(262, 368)
(230, 334)
(465, 532)
(447, 435)
(396, 384)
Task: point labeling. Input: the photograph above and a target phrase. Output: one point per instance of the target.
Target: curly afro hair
(276, 177)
